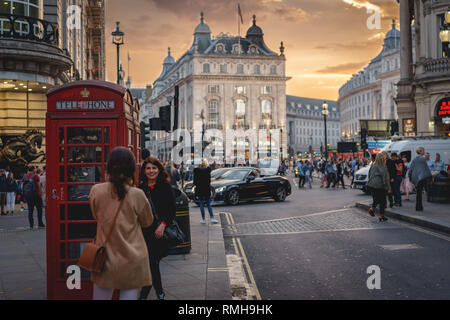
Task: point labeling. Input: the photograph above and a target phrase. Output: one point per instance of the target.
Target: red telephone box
(85, 121)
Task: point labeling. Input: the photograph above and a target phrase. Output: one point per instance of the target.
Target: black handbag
(173, 235)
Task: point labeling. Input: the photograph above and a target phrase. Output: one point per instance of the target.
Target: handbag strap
(114, 221)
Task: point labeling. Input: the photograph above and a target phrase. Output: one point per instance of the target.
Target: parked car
(361, 179)
(246, 183)
(268, 167)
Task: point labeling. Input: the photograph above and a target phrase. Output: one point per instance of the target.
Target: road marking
(395, 247)
(218, 269)
(243, 257)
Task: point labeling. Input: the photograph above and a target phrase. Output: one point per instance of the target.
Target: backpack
(29, 187)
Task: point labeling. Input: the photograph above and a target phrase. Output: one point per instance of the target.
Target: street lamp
(444, 35)
(117, 39)
(270, 143)
(325, 115)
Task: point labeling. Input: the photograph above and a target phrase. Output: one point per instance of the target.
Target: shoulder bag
(93, 257)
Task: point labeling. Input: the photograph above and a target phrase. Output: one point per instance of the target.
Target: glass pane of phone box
(84, 174)
(78, 193)
(84, 135)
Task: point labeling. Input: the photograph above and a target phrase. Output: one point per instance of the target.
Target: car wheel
(280, 194)
(233, 197)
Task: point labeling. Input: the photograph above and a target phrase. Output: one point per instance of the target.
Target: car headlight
(218, 190)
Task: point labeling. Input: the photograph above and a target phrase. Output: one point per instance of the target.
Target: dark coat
(392, 170)
(202, 182)
(11, 185)
(162, 199)
(2, 183)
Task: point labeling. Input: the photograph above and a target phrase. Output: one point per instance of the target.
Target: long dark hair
(121, 167)
(163, 176)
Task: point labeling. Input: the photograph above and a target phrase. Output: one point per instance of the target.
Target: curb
(420, 222)
(217, 277)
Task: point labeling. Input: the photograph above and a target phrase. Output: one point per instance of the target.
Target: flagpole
(239, 31)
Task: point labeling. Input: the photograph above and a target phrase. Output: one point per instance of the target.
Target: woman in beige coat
(127, 265)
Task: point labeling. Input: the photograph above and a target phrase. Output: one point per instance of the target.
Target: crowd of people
(30, 189)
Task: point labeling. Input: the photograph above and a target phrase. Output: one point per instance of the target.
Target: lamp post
(270, 143)
(202, 116)
(117, 39)
(444, 34)
(166, 154)
(325, 115)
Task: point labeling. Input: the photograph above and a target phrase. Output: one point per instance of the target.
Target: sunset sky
(326, 41)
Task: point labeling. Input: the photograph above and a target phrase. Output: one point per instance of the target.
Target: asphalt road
(315, 245)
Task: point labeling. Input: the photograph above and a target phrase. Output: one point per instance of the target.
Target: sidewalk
(200, 275)
(434, 216)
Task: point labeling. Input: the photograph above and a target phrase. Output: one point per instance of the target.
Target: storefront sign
(85, 105)
(443, 109)
(409, 127)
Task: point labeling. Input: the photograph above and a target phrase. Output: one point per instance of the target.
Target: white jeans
(10, 201)
(106, 294)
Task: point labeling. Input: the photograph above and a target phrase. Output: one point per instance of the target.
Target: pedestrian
(353, 164)
(379, 184)
(173, 174)
(340, 174)
(407, 186)
(307, 170)
(419, 173)
(202, 183)
(43, 179)
(156, 186)
(429, 161)
(438, 164)
(11, 190)
(32, 192)
(331, 174)
(301, 174)
(392, 174)
(323, 175)
(2, 191)
(399, 174)
(118, 205)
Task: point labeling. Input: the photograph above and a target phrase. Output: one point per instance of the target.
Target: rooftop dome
(169, 59)
(254, 30)
(392, 39)
(202, 27)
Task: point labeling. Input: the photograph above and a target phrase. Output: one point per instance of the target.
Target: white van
(406, 147)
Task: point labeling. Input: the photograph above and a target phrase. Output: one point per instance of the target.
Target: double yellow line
(241, 253)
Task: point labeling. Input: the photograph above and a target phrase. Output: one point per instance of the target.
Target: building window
(273, 69)
(239, 113)
(206, 68)
(223, 68)
(239, 90)
(266, 113)
(266, 90)
(213, 89)
(240, 68)
(257, 69)
(213, 113)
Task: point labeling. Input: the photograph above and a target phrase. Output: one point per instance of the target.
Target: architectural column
(406, 107)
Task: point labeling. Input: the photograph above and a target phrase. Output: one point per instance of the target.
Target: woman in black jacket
(155, 182)
(11, 190)
(202, 183)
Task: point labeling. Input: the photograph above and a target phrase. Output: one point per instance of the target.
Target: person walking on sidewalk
(11, 190)
(32, 192)
(399, 174)
(202, 183)
(407, 186)
(419, 173)
(173, 174)
(2, 191)
(379, 184)
(126, 268)
(155, 182)
(390, 164)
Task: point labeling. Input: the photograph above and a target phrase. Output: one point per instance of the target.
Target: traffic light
(176, 108)
(145, 130)
(364, 139)
(164, 116)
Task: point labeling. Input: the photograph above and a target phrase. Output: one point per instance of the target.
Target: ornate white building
(370, 93)
(238, 83)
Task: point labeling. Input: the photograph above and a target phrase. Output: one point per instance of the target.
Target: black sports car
(246, 183)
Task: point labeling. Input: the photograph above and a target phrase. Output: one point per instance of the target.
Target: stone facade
(427, 81)
(238, 83)
(370, 93)
(306, 125)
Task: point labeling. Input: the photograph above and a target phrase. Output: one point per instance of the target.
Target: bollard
(182, 218)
